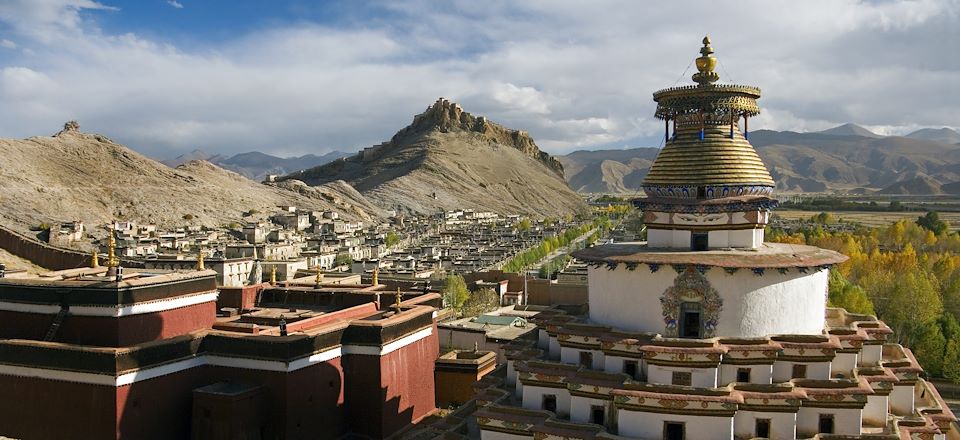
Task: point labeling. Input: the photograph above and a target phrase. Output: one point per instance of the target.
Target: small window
(743, 375)
(586, 359)
(762, 428)
(799, 371)
(826, 423)
(630, 369)
(550, 402)
(673, 431)
(596, 414)
(682, 378)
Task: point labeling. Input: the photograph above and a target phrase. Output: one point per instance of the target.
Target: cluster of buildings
(703, 331)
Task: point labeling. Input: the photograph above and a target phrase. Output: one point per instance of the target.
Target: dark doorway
(586, 359)
(799, 371)
(699, 241)
(630, 369)
(826, 423)
(763, 428)
(550, 402)
(743, 375)
(596, 414)
(673, 431)
(690, 320)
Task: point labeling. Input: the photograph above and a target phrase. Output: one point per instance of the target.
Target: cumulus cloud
(175, 4)
(573, 76)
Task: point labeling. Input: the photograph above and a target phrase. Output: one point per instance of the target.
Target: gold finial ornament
(95, 259)
(273, 275)
(200, 259)
(112, 252)
(399, 298)
(376, 276)
(319, 277)
(706, 64)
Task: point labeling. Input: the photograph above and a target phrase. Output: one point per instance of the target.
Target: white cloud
(175, 4)
(573, 76)
(7, 44)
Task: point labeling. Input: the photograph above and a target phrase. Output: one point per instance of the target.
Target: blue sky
(298, 77)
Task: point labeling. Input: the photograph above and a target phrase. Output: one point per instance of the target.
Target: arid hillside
(78, 176)
(447, 159)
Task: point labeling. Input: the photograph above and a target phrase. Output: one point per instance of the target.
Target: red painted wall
(43, 409)
(107, 331)
(403, 381)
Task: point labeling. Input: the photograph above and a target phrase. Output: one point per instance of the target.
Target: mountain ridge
(447, 158)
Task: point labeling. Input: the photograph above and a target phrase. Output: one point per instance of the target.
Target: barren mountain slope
(449, 159)
(79, 176)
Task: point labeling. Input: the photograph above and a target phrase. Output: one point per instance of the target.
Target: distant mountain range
(848, 158)
(256, 165)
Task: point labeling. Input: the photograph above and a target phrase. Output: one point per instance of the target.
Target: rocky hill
(79, 176)
(844, 159)
(256, 165)
(446, 159)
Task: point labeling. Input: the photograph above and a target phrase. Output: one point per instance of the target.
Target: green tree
(455, 292)
(391, 239)
(343, 258)
(931, 222)
(524, 225)
(849, 296)
(480, 302)
(951, 361)
(929, 345)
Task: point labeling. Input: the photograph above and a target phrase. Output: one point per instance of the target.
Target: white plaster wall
(783, 370)
(870, 354)
(496, 435)
(718, 239)
(553, 350)
(646, 425)
(901, 400)
(782, 425)
(753, 306)
(844, 363)
(659, 238)
(699, 377)
(511, 373)
(533, 398)
(570, 355)
(846, 421)
(762, 374)
(875, 412)
(580, 408)
(543, 339)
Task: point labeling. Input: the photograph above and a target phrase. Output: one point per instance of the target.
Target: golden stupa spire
(273, 274)
(112, 251)
(319, 277)
(200, 258)
(706, 64)
(398, 299)
(376, 276)
(95, 259)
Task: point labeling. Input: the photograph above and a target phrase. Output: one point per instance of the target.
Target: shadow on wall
(213, 402)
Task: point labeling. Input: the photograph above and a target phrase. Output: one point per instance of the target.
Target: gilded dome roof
(706, 146)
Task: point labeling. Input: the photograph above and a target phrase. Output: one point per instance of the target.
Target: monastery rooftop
(768, 255)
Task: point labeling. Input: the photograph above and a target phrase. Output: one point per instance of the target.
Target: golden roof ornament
(112, 252)
(376, 276)
(705, 154)
(200, 259)
(319, 277)
(706, 64)
(273, 274)
(95, 259)
(398, 299)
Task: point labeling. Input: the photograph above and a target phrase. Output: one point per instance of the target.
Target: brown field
(872, 219)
